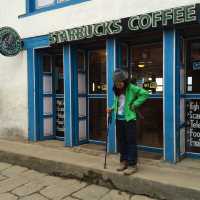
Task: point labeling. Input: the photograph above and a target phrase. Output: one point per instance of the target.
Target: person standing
(128, 98)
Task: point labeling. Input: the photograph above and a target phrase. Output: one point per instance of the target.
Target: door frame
(93, 96)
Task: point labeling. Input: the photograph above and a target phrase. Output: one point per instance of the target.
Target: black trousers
(126, 141)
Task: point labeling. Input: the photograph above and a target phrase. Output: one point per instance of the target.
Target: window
(44, 5)
(147, 67)
(193, 68)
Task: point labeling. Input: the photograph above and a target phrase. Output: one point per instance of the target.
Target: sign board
(193, 122)
(163, 18)
(196, 65)
(10, 42)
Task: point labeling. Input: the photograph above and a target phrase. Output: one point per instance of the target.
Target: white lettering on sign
(193, 122)
(194, 106)
(167, 17)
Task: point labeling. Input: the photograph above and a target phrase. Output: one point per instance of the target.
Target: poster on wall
(193, 122)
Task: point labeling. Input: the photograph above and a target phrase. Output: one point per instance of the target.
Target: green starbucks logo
(10, 42)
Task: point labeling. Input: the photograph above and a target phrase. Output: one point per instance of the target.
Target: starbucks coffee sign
(164, 18)
(10, 42)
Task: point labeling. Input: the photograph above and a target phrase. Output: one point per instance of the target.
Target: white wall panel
(89, 12)
(13, 96)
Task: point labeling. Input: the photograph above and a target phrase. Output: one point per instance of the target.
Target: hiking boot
(130, 170)
(123, 166)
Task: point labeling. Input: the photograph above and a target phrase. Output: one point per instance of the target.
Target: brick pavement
(19, 183)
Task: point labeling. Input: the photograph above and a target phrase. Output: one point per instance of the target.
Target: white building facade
(59, 85)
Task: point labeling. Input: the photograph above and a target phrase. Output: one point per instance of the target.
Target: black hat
(120, 75)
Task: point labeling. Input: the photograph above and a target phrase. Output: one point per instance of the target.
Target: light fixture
(141, 65)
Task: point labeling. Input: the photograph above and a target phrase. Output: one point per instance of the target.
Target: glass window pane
(61, 1)
(58, 74)
(147, 67)
(97, 72)
(97, 119)
(47, 106)
(44, 3)
(48, 126)
(150, 126)
(47, 84)
(82, 106)
(81, 83)
(124, 50)
(47, 64)
(81, 61)
(193, 68)
(82, 130)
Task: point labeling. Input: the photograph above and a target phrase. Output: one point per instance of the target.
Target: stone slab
(11, 184)
(116, 195)
(91, 192)
(63, 189)
(34, 197)
(7, 196)
(28, 189)
(140, 197)
(4, 166)
(13, 171)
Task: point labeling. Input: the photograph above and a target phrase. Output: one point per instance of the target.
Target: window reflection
(58, 67)
(97, 119)
(147, 67)
(97, 72)
(150, 127)
(147, 72)
(193, 68)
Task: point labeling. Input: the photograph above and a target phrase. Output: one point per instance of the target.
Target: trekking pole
(109, 123)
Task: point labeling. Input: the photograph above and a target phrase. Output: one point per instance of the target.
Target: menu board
(59, 115)
(193, 122)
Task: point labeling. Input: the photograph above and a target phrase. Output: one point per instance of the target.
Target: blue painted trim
(67, 95)
(168, 101)
(59, 138)
(96, 142)
(36, 42)
(37, 94)
(60, 96)
(31, 103)
(119, 53)
(87, 90)
(83, 142)
(31, 10)
(177, 92)
(193, 155)
(98, 96)
(47, 94)
(110, 67)
(38, 66)
(75, 112)
(191, 96)
(30, 6)
(150, 149)
(155, 96)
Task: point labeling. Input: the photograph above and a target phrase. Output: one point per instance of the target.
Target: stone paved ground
(19, 183)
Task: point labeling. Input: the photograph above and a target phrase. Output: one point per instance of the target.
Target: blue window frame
(37, 6)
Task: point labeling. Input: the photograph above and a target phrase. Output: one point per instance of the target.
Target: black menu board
(60, 116)
(193, 122)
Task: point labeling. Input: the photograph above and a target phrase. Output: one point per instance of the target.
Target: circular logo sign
(10, 42)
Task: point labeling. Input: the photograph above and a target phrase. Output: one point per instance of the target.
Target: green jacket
(134, 97)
